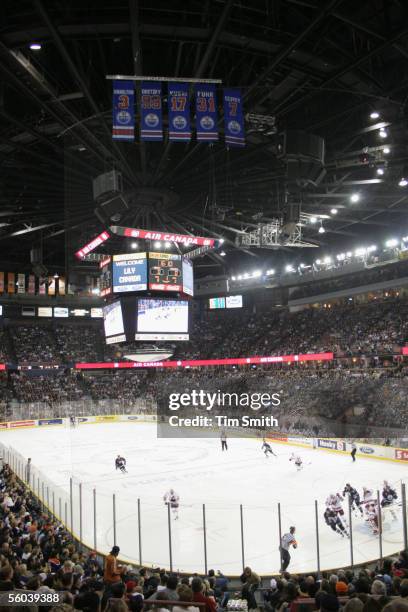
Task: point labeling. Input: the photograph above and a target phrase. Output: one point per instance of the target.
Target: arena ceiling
(318, 66)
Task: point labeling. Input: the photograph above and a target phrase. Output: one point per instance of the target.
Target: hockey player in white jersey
(335, 503)
(371, 509)
(297, 461)
(172, 499)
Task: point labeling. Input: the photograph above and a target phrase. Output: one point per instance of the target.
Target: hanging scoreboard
(165, 272)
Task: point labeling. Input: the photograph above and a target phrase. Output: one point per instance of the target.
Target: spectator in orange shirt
(113, 571)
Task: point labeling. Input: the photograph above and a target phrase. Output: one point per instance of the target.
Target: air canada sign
(187, 240)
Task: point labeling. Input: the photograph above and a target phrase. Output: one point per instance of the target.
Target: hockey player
(224, 444)
(334, 521)
(335, 503)
(354, 498)
(389, 495)
(267, 449)
(172, 499)
(120, 464)
(371, 509)
(72, 421)
(297, 460)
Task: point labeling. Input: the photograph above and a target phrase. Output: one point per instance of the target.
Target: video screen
(165, 272)
(162, 319)
(214, 303)
(188, 277)
(129, 272)
(105, 279)
(234, 301)
(113, 323)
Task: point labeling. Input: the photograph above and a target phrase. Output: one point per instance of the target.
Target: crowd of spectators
(79, 343)
(367, 375)
(34, 344)
(38, 554)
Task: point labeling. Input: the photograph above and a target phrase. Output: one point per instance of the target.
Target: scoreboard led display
(129, 272)
(165, 272)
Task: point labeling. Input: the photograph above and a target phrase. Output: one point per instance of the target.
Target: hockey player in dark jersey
(120, 464)
(267, 449)
(335, 523)
(389, 496)
(355, 500)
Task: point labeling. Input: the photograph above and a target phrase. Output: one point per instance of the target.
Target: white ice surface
(201, 474)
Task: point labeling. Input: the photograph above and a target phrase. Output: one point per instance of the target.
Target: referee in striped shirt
(287, 541)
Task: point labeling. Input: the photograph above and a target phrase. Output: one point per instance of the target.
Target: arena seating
(366, 339)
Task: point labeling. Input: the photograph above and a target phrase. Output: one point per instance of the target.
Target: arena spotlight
(134, 245)
(327, 260)
(223, 253)
(355, 197)
(391, 243)
(386, 150)
(383, 133)
(374, 115)
(349, 254)
(333, 211)
(288, 268)
(167, 245)
(270, 272)
(35, 46)
(380, 171)
(403, 182)
(313, 219)
(157, 244)
(233, 278)
(257, 273)
(321, 230)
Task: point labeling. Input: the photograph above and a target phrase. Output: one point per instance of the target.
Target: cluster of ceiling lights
(361, 252)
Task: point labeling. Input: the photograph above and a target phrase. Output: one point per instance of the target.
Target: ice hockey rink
(201, 474)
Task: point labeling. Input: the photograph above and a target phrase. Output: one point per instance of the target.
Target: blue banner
(179, 112)
(50, 422)
(123, 120)
(233, 118)
(206, 112)
(151, 111)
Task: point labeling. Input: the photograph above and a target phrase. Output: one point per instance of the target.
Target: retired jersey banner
(31, 284)
(151, 126)
(61, 285)
(21, 283)
(179, 112)
(11, 281)
(51, 285)
(233, 118)
(42, 285)
(206, 113)
(123, 124)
